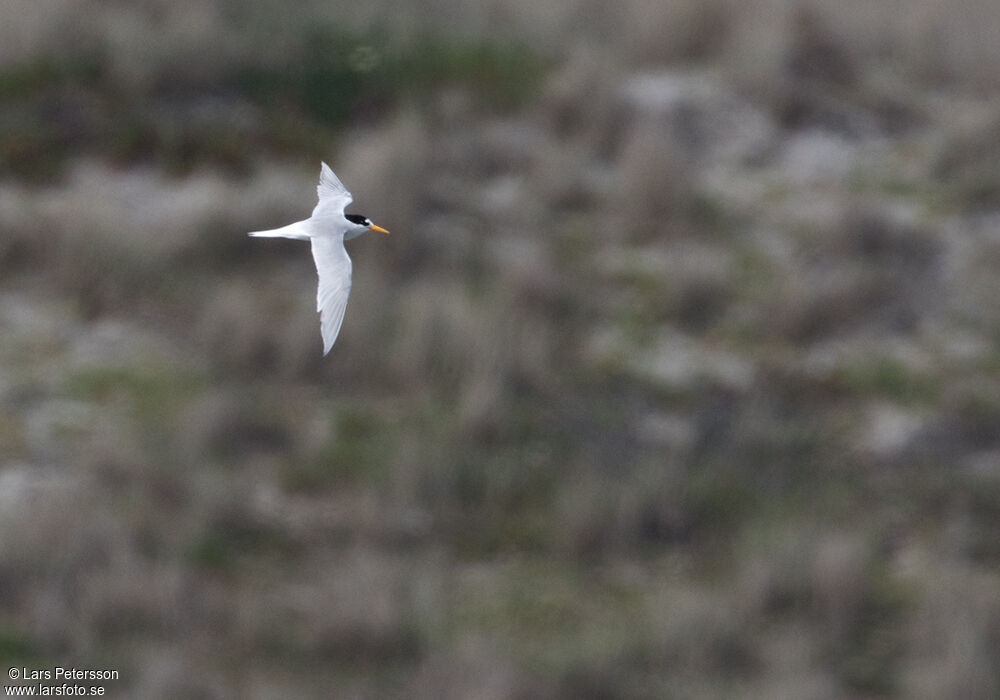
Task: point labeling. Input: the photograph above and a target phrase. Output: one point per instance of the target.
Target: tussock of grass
(155, 392)
(230, 537)
(358, 451)
(889, 378)
(16, 647)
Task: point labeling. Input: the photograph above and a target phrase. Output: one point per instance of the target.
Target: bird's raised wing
(333, 196)
(334, 268)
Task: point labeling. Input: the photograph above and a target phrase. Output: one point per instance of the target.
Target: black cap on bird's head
(364, 221)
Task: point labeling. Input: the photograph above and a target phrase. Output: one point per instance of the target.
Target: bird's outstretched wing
(334, 268)
(333, 196)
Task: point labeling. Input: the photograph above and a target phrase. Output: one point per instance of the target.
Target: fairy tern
(326, 230)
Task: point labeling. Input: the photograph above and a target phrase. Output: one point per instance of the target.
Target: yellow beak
(373, 227)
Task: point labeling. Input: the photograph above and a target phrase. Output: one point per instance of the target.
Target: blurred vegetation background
(678, 377)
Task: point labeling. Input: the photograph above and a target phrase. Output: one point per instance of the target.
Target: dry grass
(676, 377)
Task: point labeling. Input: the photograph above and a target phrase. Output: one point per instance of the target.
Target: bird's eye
(368, 222)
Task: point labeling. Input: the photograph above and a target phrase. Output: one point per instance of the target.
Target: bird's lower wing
(334, 268)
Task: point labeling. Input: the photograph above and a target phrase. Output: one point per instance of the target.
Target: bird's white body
(326, 230)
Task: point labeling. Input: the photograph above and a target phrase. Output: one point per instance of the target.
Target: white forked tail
(299, 230)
